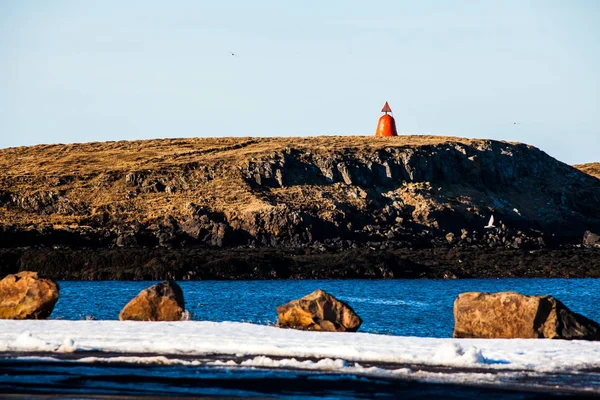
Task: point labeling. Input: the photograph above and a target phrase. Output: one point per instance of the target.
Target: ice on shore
(270, 347)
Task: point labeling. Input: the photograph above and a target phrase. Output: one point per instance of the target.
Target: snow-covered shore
(470, 360)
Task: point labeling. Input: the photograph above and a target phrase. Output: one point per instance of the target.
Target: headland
(281, 208)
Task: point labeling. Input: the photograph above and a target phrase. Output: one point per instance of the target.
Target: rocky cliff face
(341, 191)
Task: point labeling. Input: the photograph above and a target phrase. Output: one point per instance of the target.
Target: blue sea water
(396, 307)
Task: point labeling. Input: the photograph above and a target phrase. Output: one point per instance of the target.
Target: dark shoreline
(65, 376)
(364, 262)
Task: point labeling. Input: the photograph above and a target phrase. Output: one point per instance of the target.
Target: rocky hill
(411, 191)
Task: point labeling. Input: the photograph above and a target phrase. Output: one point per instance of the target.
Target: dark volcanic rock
(27, 296)
(318, 311)
(161, 302)
(199, 263)
(512, 315)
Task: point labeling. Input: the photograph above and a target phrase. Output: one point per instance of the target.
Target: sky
(516, 70)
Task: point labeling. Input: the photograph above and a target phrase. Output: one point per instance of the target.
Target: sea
(421, 308)
(417, 308)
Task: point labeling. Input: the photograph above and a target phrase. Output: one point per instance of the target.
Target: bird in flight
(233, 54)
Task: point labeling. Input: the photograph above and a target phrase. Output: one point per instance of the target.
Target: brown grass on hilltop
(592, 169)
(92, 175)
(92, 158)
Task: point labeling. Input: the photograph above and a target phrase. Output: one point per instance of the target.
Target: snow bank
(271, 347)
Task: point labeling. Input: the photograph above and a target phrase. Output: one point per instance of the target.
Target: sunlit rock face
(262, 192)
(591, 239)
(318, 311)
(161, 302)
(513, 315)
(27, 296)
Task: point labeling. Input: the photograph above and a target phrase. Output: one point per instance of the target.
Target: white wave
(156, 360)
(325, 364)
(370, 300)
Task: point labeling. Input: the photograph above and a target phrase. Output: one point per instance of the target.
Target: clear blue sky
(78, 71)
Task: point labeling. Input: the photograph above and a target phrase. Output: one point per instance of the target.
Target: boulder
(161, 302)
(591, 239)
(514, 315)
(318, 311)
(27, 296)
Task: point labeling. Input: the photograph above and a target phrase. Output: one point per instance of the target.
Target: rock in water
(318, 311)
(161, 302)
(514, 315)
(27, 296)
